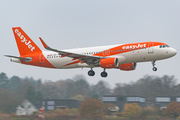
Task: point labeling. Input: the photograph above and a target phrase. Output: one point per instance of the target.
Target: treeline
(14, 90)
(149, 87)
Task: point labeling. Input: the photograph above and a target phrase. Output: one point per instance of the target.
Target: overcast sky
(65, 24)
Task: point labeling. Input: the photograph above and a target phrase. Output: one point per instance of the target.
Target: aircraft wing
(91, 60)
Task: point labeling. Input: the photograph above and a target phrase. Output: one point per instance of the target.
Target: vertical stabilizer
(24, 42)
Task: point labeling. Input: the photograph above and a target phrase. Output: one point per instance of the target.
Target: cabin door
(150, 48)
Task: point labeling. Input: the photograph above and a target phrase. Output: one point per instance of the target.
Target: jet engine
(127, 66)
(109, 63)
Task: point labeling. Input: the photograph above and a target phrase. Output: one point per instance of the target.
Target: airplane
(121, 56)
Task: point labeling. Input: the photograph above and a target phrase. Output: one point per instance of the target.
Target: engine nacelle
(121, 59)
(127, 66)
(109, 63)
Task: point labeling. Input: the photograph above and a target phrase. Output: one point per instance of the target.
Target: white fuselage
(139, 55)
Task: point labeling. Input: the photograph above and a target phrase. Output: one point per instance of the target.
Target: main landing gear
(154, 68)
(92, 73)
(104, 74)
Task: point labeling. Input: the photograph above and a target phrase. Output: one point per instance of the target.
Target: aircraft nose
(173, 52)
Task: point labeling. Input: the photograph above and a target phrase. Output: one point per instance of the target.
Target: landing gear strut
(154, 68)
(104, 74)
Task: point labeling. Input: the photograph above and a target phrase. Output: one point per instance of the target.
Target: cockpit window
(163, 46)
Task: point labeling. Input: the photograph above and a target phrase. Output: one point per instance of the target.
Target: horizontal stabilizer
(27, 59)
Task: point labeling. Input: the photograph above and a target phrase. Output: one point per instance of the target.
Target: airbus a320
(120, 56)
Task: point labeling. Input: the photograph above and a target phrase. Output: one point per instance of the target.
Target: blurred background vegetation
(14, 90)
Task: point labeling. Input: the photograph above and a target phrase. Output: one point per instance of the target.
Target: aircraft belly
(59, 62)
(70, 66)
(140, 56)
(146, 56)
(133, 57)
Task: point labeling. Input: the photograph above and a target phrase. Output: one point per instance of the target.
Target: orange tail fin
(24, 42)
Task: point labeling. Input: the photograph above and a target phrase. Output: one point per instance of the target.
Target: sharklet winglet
(43, 43)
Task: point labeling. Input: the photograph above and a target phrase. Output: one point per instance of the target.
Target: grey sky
(65, 24)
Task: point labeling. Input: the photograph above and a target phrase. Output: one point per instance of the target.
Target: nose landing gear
(154, 68)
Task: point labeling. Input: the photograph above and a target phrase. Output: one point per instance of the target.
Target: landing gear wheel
(104, 74)
(154, 69)
(91, 73)
(153, 63)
